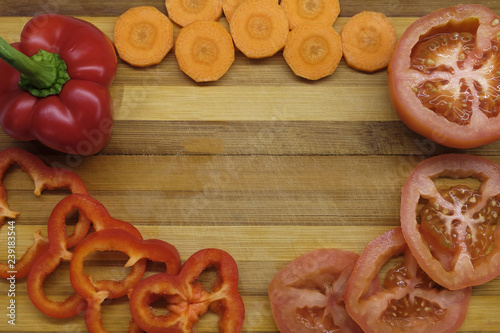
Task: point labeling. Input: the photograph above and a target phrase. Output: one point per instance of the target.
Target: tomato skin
(314, 282)
(402, 80)
(465, 271)
(369, 309)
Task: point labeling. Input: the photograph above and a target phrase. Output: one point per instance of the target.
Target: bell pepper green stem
(42, 75)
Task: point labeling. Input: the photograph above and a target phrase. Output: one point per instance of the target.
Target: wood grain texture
(261, 163)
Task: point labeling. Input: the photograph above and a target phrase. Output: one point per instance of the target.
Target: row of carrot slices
(303, 29)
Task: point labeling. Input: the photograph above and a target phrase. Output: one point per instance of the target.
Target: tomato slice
(410, 301)
(444, 76)
(307, 295)
(450, 212)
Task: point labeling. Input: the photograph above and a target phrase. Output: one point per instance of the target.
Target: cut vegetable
(368, 41)
(259, 28)
(313, 50)
(453, 229)
(306, 11)
(143, 36)
(228, 7)
(409, 301)
(185, 12)
(204, 50)
(444, 76)
(307, 295)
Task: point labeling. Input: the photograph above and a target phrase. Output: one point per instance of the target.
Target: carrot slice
(228, 7)
(204, 50)
(313, 50)
(304, 11)
(185, 12)
(368, 41)
(143, 36)
(259, 28)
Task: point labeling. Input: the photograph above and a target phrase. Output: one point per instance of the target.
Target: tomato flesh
(489, 93)
(444, 76)
(307, 295)
(450, 225)
(411, 306)
(410, 300)
(447, 53)
(316, 319)
(443, 230)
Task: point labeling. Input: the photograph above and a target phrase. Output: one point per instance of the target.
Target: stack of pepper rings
(187, 298)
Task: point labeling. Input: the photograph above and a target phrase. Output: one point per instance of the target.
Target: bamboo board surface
(261, 163)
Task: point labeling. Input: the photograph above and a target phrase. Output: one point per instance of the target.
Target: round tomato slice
(450, 212)
(444, 76)
(307, 295)
(410, 301)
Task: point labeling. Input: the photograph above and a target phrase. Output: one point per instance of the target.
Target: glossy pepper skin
(187, 299)
(58, 251)
(115, 240)
(44, 178)
(79, 119)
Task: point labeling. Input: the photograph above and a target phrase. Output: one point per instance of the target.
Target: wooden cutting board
(261, 163)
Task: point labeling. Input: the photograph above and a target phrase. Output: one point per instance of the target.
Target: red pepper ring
(187, 299)
(115, 240)
(44, 178)
(58, 251)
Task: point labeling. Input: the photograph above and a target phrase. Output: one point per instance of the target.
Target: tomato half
(307, 295)
(450, 213)
(444, 76)
(410, 301)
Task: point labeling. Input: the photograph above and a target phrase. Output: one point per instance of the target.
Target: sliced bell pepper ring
(187, 299)
(58, 251)
(115, 240)
(55, 84)
(44, 178)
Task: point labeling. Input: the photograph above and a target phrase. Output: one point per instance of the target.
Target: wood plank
(274, 138)
(114, 8)
(229, 138)
(252, 104)
(260, 163)
(260, 244)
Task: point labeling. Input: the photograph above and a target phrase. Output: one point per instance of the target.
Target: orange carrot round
(228, 7)
(143, 36)
(259, 28)
(313, 50)
(305, 11)
(185, 12)
(204, 50)
(368, 41)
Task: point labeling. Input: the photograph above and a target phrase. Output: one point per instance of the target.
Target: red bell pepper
(55, 85)
(115, 240)
(45, 178)
(187, 299)
(58, 251)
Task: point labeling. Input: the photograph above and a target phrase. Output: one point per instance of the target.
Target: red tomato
(410, 300)
(452, 230)
(307, 295)
(444, 76)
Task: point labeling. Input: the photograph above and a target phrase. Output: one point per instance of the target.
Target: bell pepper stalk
(43, 74)
(121, 241)
(44, 178)
(187, 299)
(58, 251)
(55, 85)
